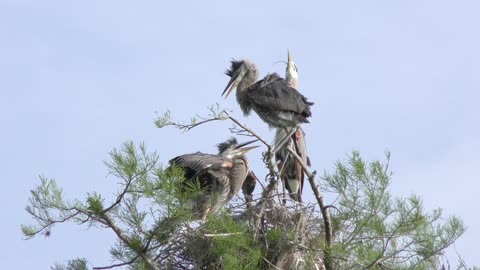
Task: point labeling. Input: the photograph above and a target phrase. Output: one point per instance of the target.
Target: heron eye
(295, 66)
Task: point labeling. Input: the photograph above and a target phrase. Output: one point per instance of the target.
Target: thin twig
(271, 264)
(126, 240)
(188, 127)
(220, 234)
(248, 130)
(116, 265)
(120, 196)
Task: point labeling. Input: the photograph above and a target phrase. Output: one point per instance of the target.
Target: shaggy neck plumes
(251, 76)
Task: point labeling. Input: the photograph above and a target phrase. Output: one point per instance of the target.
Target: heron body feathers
(272, 98)
(278, 104)
(219, 177)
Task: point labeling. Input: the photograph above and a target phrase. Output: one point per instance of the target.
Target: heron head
(228, 144)
(237, 72)
(236, 149)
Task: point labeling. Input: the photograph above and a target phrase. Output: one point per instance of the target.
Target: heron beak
(241, 149)
(245, 143)
(291, 72)
(246, 149)
(290, 64)
(231, 85)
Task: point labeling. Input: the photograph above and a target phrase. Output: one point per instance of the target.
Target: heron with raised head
(219, 177)
(290, 170)
(272, 98)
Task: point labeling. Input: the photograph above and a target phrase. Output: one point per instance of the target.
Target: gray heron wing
(215, 180)
(195, 162)
(274, 93)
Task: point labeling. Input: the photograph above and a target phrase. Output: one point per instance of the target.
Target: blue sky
(79, 78)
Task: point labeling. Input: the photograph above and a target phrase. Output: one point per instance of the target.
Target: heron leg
(289, 132)
(280, 172)
(288, 143)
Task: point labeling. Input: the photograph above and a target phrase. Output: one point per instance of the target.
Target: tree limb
(323, 209)
(248, 130)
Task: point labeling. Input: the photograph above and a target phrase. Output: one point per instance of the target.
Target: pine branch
(216, 114)
(117, 265)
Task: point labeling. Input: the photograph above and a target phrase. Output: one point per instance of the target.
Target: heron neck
(239, 173)
(250, 77)
(242, 91)
(243, 101)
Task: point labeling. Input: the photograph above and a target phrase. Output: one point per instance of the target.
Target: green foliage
(128, 162)
(136, 243)
(374, 228)
(232, 244)
(163, 120)
(95, 203)
(75, 264)
(126, 215)
(278, 241)
(48, 207)
(150, 215)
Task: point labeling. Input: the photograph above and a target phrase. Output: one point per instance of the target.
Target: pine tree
(365, 228)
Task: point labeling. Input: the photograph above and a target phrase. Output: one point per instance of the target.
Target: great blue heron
(291, 172)
(275, 102)
(219, 176)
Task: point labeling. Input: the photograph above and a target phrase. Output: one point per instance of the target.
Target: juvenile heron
(275, 102)
(219, 176)
(291, 172)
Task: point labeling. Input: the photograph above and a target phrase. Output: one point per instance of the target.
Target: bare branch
(188, 127)
(271, 264)
(120, 196)
(215, 114)
(220, 234)
(248, 130)
(116, 265)
(126, 239)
